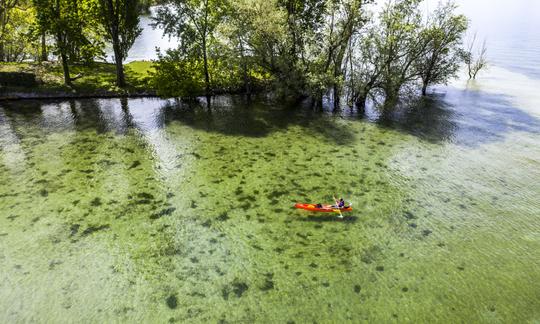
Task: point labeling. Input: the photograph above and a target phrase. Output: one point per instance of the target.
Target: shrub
(175, 76)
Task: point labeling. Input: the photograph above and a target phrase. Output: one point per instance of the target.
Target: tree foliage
(313, 48)
(403, 48)
(178, 76)
(16, 19)
(120, 19)
(443, 35)
(72, 24)
(194, 23)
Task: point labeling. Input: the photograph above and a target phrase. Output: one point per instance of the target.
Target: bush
(176, 76)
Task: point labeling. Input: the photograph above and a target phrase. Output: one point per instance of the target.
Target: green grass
(141, 68)
(97, 78)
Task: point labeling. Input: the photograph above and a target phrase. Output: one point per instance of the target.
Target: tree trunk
(65, 67)
(336, 95)
(247, 88)
(391, 96)
(424, 88)
(474, 72)
(120, 78)
(3, 21)
(43, 56)
(360, 103)
(206, 74)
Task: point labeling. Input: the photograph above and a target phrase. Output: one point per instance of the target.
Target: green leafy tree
(366, 66)
(17, 18)
(236, 30)
(399, 46)
(257, 29)
(6, 9)
(443, 35)
(297, 63)
(345, 18)
(194, 23)
(120, 19)
(72, 24)
(178, 76)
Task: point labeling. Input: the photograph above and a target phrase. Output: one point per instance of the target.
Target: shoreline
(19, 96)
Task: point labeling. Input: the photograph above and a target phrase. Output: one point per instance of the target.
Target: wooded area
(340, 49)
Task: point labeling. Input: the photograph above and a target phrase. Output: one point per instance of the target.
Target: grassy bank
(96, 79)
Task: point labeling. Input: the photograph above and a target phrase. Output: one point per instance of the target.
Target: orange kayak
(323, 209)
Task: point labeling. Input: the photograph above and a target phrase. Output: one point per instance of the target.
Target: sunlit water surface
(149, 210)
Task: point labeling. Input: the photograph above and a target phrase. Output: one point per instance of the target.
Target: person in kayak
(319, 205)
(340, 204)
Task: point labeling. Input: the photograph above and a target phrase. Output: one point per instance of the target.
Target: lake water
(150, 210)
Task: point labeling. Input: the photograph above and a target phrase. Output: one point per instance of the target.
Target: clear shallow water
(144, 210)
(148, 210)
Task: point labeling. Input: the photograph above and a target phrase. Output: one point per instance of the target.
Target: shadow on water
(330, 218)
(463, 117)
(229, 115)
(57, 116)
(237, 116)
(467, 118)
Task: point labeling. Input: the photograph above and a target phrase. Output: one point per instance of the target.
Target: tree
(194, 23)
(176, 76)
(235, 30)
(399, 47)
(120, 18)
(475, 62)
(443, 35)
(366, 66)
(258, 31)
(16, 20)
(6, 6)
(71, 23)
(345, 19)
(304, 22)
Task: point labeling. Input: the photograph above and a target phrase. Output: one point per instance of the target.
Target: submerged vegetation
(352, 49)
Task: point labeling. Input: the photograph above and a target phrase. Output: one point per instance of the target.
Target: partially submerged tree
(399, 46)
(120, 18)
(443, 35)
(314, 47)
(365, 67)
(475, 61)
(6, 8)
(345, 19)
(400, 50)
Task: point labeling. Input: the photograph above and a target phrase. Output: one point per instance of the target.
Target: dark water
(149, 210)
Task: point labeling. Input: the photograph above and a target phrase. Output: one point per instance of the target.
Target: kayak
(324, 209)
